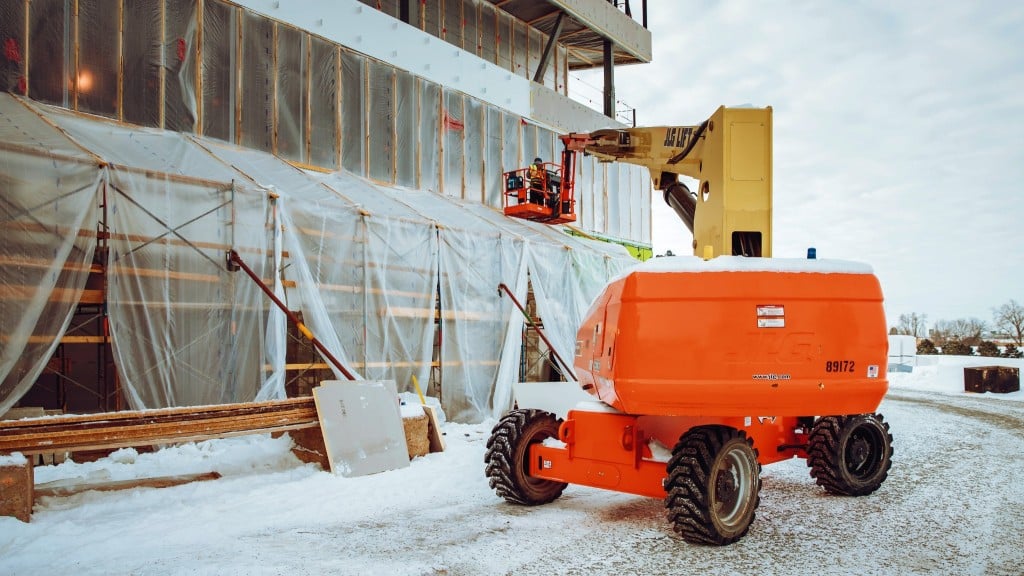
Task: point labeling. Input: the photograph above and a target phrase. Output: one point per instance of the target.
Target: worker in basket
(538, 181)
(544, 184)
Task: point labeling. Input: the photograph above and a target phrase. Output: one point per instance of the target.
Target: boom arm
(729, 153)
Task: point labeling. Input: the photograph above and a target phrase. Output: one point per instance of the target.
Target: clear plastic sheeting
(488, 35)
(258, 79)
(479, 331)
(325, 242)
(142, 55)
(292, 93)
(353, 117)
(477, 321)
(401, 278)
(180, 111)
(50, 33)
(381, 135)
(323, 104)
(397, 282)
(494, 184)
(454, 136)
(95, 81)
(430, 146)
(48, 213)
(149, 149)
(475, 129)
(406, 127)
(220, 69)
(185, 331)
(12, 57)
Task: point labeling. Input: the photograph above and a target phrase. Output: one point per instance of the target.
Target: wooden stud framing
(120, 60)
(27, 45)
(273, 89)
(200, 11)
(394, 125)
(308, 124)
(162, 90)
(366, 116)
(418, 83)
(239, 75)
(337, 107)
(75, 57)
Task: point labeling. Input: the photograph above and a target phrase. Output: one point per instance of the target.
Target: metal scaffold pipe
(235, 260)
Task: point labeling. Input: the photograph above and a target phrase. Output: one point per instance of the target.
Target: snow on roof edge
(745, 264)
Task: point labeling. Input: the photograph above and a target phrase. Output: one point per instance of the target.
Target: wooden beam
(76, 486)
(169, 425)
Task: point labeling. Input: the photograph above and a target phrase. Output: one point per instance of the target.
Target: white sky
(898, 132)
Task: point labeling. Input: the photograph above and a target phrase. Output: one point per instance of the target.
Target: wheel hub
(858, 454)
(725, 488)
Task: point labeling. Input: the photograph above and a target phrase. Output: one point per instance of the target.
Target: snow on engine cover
(737, 336)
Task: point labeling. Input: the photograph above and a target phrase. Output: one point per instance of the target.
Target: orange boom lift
(734, 360)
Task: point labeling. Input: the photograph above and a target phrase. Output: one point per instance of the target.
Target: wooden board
(75, 486)
(362, 426)
(434, 433)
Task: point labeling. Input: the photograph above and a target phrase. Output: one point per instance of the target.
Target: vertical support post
(239, 77)
(16, 486)
(74, 58)
(364, 66)
(418, 83)
(609, 79)
(163, 66)
(337, 107)
(273, 89)
(645, 14)
(307, 125)
(200, 10)
(120, 60)
(27, 46)
(234, 214)
(101, 260)
(394, 128)
(405, 11)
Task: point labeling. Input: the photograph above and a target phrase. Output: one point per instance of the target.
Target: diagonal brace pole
(235, 260)
(529, 320)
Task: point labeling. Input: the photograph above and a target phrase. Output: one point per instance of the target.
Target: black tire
(714, 485)
(850, 455)
(508, 448)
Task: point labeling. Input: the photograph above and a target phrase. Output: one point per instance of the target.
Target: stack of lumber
(168, 425)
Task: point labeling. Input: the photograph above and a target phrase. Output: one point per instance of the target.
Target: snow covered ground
(953, 504)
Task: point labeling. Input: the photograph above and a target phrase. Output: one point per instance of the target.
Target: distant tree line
(961, 337)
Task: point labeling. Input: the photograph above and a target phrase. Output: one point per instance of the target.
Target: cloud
(899, 132)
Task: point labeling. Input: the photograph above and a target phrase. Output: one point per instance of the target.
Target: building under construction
(351, 153)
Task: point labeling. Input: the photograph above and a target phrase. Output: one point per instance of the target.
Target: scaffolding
(126, 228)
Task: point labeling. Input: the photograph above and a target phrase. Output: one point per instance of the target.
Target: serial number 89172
(839, 366)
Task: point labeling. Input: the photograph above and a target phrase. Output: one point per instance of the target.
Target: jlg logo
(678, 137)
(792, 348)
